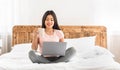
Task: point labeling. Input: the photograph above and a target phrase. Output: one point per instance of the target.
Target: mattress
(96, 58)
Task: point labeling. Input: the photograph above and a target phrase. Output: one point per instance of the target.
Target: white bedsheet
(95, 60)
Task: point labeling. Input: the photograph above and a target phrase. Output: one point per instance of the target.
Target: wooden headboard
(24, 33)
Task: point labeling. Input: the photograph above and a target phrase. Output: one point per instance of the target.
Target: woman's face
(49, 22)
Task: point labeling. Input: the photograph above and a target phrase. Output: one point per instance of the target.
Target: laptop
(54, 48)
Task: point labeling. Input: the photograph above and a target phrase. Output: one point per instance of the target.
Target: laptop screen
(54, 48)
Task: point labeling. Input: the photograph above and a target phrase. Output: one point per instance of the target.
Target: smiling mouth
(49, 24)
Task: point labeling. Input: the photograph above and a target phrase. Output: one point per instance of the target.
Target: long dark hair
(50, 12)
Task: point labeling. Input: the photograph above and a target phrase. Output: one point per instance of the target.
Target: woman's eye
(52, 20)
(47, 19)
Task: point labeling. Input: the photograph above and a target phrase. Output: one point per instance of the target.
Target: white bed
(89, 56)
(96, 58)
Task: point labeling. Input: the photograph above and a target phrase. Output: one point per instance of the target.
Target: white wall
(31, 11)
(69, 12)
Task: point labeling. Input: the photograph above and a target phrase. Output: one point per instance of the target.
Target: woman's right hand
(41, 31)
(36, 33)
(35, 40)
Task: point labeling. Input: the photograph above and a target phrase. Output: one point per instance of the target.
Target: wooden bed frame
(24, 33)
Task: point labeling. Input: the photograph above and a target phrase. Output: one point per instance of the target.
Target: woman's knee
(31, 52)
(71, 50)
(32, 56)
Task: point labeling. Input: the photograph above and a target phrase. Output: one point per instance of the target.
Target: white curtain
(6, 22)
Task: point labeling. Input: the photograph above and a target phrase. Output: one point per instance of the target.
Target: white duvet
(96, 58)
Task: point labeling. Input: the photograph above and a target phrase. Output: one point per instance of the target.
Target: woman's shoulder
(58, 31)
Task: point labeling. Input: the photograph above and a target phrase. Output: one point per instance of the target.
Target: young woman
(50, 32)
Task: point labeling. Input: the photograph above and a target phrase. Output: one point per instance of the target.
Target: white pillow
(21, 48)
(96, 51)
(81, 44)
